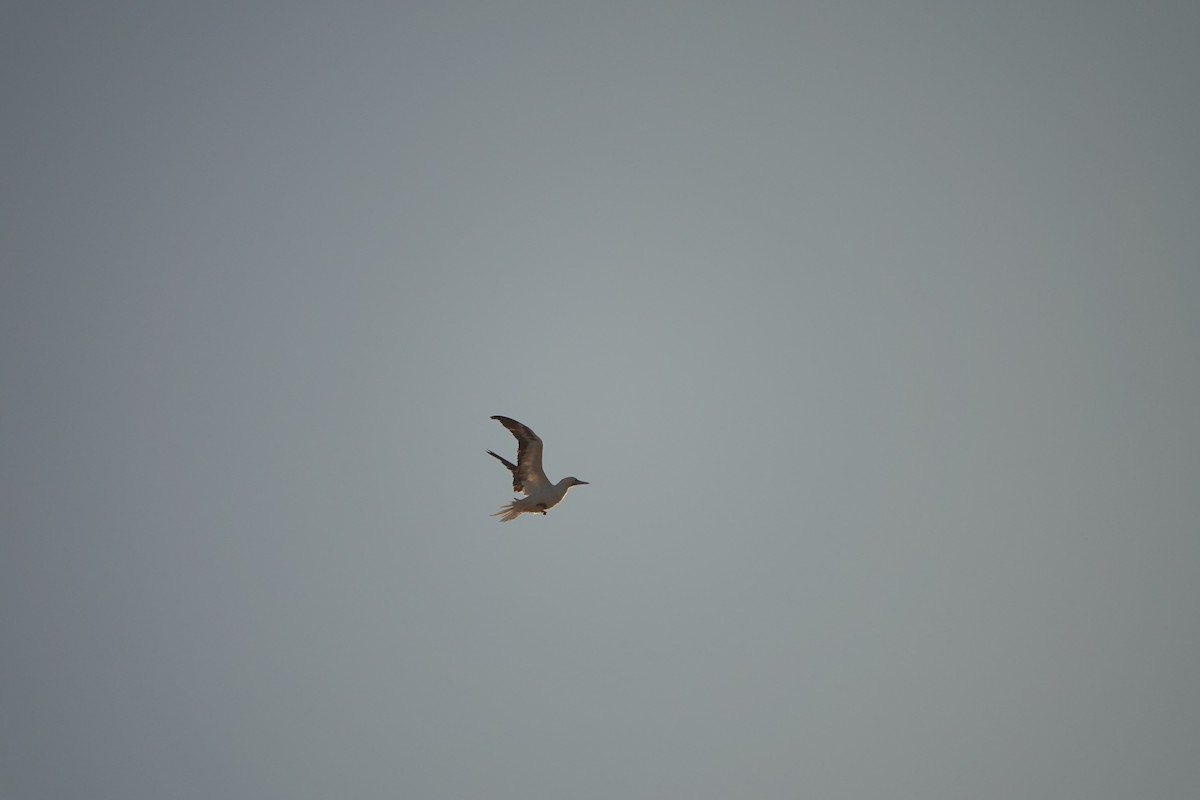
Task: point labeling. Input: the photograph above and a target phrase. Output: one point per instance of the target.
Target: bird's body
(528, 476)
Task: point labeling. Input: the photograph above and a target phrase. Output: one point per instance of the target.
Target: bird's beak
(584, 483)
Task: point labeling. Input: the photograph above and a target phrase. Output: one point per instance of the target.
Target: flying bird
(528, 476)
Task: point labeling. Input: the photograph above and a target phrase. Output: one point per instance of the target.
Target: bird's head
(573, 481)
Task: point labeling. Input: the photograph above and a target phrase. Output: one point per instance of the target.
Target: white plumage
(528, 476)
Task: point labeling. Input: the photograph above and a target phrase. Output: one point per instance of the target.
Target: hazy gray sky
(875, 327)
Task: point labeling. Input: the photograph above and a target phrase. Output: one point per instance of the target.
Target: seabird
(528, 477)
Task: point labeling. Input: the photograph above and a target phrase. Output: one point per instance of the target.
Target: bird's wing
(518, 483)
(528, 476)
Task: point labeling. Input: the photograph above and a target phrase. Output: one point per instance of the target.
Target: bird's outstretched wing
(518, 483)
(528, 476)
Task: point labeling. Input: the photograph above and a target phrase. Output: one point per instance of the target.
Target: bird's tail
(508, 512)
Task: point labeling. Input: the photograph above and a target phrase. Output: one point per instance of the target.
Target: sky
(873, 325)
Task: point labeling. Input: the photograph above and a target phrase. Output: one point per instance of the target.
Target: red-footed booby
(528, 476)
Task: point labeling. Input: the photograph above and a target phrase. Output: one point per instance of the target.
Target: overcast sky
(874, 326)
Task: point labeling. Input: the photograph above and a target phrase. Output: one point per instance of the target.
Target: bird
(528, 476)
